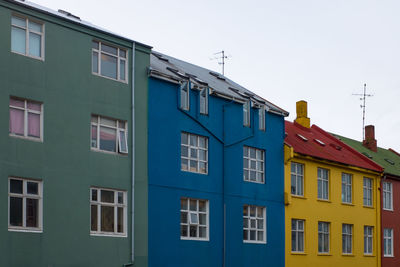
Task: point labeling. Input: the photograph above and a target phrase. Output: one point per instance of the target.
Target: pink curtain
(33, 124)
(16, 121)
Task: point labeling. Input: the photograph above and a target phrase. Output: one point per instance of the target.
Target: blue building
(215, 164)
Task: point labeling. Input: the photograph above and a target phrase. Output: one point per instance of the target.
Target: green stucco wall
(64, 160)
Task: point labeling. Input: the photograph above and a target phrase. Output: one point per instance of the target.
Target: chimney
(301, 113)
(369, 140)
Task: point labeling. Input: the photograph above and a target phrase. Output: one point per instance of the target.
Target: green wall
(64, 160)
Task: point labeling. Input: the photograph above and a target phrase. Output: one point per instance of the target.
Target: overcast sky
(321, 51)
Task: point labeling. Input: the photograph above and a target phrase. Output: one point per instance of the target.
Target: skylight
(302, 137)
(390, 161)
(319, 142)
(366, 154)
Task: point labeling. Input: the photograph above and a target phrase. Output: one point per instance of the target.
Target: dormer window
(184, 95)
(261, 118)
(246, 113)
(204, 101)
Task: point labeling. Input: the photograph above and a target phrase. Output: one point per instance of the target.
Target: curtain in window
(16, 121)
(33, 124)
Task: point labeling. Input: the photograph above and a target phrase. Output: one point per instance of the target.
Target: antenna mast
(364, 95)
(222, 58)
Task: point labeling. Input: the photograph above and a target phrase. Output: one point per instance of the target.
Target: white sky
(321, 51)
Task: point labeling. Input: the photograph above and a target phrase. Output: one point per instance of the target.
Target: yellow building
(332, 200)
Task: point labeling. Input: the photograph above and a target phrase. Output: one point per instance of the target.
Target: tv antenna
(221, 57)
(364, 95)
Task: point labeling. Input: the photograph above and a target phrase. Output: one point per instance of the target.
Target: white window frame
(323, 180)
(194, 158)
(369, 189)
(203, 101)
(256, 227)
(298, 178)
(98, 204)
(119, 58)
(24, 196)
(259, 162)
(324, 234)
(298, 230)
(27, 32)
(194, 214)
(368, 240)
(347, 237)
(347, 186)
(246, 113)
(26, 113)
(184, 93)
(388, 242)
(261, 118)
(119, 130)
(387, 198)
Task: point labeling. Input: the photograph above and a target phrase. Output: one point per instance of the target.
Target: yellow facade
(311, 210)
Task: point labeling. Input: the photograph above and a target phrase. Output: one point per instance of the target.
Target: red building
(390, 193)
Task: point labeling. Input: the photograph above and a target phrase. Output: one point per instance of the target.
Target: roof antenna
(364, 95)
(222, 57)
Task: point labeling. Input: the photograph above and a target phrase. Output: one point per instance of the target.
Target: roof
(317, 143)
(64, 15)
(387, 158)
(177, 70)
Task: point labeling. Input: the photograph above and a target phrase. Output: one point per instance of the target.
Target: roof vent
(68, 14)
(319, 142)
(389, 161)
(302, 137)
(337, 147)
(367, 155)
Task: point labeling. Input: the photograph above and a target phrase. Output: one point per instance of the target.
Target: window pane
(18, 40)
(184, 204)
(95, 45)
(184, 151)
(109, 66)
(33, 125)
(184, 230)
(35, 45)
(193, 205)
(184, 164)
(16, 186)
(120, 216)
(16, 121)
(122, 53)
(15, 211)
(122, 70)
(94, 194)
(120, 198)
(107, 196)
(193, 231)
(95, 62)
(184, 217)
(107, 219)
(202, 232)
(32, 188)
(32, 212)
(108, 122)
(34, 106)
(184, 138)
(202, 219)
(93, 217)
(108, 139)
(109, 49)
(35, 26)
(94, 136)
(123, 142)
(202, 205)
(18, 21)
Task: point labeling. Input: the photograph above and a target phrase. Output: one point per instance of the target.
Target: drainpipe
(133, 156)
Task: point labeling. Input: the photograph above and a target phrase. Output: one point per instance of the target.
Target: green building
(76, 142)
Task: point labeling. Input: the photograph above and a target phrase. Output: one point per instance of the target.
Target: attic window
(367, 155)
(390, 161)
(319, 142)
(302, 137)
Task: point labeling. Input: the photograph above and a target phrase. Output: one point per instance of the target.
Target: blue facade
(223, 186)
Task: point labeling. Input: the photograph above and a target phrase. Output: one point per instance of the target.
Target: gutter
(133, 157)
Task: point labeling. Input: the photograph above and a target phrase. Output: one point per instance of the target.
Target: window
(204, 101)
(184, 91)
(346, 188)
(323, 237)
(367, 186)
(368, 237)
(194, 153)
(297, 235)
(246, 113)
(109, 135)
(25, 118)
(27, 37)
(387, 196)
(347, 238)
(253, 164)
(254, 224)
(261, 118)
(108, 212)
(194, 219)
(109, 61)
(25, 204)
(388, 242)
(323, 184)
(297, 176)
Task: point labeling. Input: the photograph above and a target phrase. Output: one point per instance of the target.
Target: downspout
(133, 156)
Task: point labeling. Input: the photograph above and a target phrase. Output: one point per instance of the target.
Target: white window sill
(109, 235)
(388, 256)
(112, 79)
(255, 242)
(35, 139)
(388, 209)
(254, 182)
(195, 239)
(25, 230)
(25, 55)
(108, 152)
